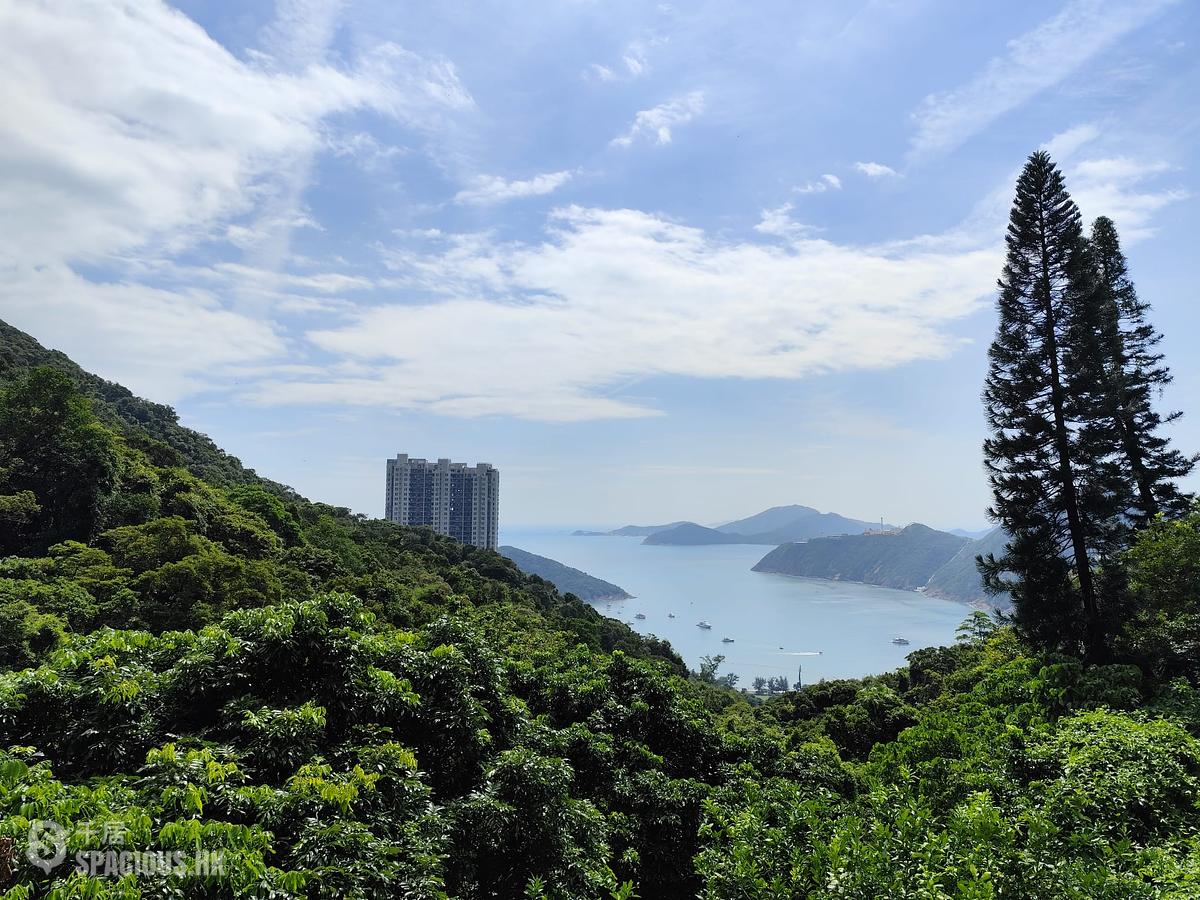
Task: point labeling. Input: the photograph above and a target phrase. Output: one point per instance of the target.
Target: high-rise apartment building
(453, 499)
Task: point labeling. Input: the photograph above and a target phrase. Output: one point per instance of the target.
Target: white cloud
(125, 124)
(876, 170)
(128, 136)
(1114, 187)
(548, 331)
(494, 189)
(1066, 144)
(169, 343)
(825, 183)
(778, 222)
(1036, 60)
(635, 62)
(656, 123)
(1105, 182)
(365, 148)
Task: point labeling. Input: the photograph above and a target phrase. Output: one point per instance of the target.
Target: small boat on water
(640, 616)
(726, 640)
(670, 615)
(703, 624)
(903, 642)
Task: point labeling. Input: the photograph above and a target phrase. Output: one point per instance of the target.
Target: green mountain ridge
(903, 559)
(567, 579)
(959, 579)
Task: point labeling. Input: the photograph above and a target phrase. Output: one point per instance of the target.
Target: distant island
(829, 545)
(691, 534)
(777, 525)
(916, 557)
(630, 530)
(566, 579)
(783, 524)
(905, 558)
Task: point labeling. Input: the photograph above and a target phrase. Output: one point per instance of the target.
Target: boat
(703, 624)
(670, 615)
(640, 616)
(903, 642)
(726, 640)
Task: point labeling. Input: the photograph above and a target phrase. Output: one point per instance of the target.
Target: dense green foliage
(567, 579)
(904, 559)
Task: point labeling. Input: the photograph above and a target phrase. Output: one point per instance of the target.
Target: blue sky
(653, 261)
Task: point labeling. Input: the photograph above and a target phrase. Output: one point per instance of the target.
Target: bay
(780, 625)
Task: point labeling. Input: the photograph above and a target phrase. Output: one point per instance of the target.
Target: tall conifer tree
(1044, 495)
(1133, 374)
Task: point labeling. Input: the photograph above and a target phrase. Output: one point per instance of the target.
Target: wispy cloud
(168, 343)
(1036, 60)
(1103, 180)
(548, 331)
(876, 170)
(129, 137)
(635, 61)
(778, 222)
(495, 189)
(140, 128)
(1115, 187)
(825, 183)
(656, 123)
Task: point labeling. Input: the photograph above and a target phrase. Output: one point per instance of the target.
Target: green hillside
(959, 578)
(904, 559)
(198, 663)
(567, 579)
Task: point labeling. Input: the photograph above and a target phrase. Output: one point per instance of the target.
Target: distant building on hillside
(454, 499)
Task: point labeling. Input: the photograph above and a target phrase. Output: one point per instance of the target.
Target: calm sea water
(779, 623)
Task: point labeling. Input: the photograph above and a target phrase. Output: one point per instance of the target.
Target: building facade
(454, 499)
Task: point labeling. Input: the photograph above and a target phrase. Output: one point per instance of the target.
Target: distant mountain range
(978, 535)
(777, 525)
(691, 534)
(917, 557)
(630, 530)
(566, 579)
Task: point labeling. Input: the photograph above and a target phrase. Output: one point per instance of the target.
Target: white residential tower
(454, 499)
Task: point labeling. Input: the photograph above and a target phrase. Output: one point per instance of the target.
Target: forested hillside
(566, 578)
(904, 559)
(959, 578)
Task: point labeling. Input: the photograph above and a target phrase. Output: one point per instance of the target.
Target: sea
(801, 628)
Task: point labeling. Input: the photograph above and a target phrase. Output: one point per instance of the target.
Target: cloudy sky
(653, 261)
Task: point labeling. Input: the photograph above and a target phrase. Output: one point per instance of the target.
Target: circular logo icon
(47, 845)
